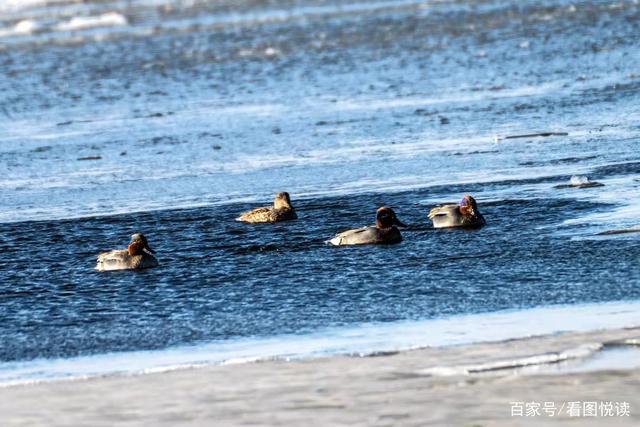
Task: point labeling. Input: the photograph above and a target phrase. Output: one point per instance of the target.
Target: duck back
(267, 215)
(367, 236)
(121, 260)
(450, 216)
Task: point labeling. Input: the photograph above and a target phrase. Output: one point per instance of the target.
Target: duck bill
(399, 223)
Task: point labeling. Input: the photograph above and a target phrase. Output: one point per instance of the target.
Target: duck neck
(135, 248)
(281, 204)
(383, 225)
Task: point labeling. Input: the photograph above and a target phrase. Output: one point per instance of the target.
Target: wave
(31, 27)
(17, 5)
(110, 19)
(21, 28)
(579, 352)
(87, 16)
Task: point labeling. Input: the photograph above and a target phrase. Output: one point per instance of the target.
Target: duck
(282, 210)
(465, 214)
(384, 232)
(137, 256)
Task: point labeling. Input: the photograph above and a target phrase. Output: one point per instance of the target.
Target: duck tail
(434, 212)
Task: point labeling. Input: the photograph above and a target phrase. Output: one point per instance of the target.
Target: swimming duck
(138, 255)
(280, 211)
(464, 214)
(384, 231)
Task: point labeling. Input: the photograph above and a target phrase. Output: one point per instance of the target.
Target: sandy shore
(405, 388)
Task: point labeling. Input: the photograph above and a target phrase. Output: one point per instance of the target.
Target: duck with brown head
(282, 210)
(384, 232)
(138, 255)
(465, 214)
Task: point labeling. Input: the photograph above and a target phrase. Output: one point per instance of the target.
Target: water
(176, 118)
(368, 339)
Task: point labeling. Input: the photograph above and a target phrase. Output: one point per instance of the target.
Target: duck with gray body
(465, 215)
(282, 210)
(137, 256)
(384, 232)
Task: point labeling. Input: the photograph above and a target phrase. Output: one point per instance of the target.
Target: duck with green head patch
(384, 232)
(465, 214)
(138, 255)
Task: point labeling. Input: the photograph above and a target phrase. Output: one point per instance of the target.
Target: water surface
(172, 119)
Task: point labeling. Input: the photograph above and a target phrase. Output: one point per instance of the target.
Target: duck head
(468, 206)
(386, 217)
(282, 201)
(138, 245)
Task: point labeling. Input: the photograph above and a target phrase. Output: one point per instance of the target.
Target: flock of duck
(465, 214)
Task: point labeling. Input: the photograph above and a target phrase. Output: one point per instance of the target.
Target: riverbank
(478, 384)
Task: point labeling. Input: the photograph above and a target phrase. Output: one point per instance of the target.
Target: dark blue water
(222, 279)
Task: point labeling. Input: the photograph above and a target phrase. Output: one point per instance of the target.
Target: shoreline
(355, 340)
(402, 388)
